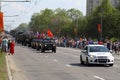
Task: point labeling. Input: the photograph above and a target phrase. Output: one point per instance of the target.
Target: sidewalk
(13, 72)
(116, 56)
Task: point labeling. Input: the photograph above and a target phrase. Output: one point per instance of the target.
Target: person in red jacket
(12, 45)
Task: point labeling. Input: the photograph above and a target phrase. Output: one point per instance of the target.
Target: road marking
(73, 55)
(99, 77)
(55, 60)
(46, 56)
(8, 69)
(68, 65)
(72, 49)
(64, 53)
(76, 56)
(116, 66)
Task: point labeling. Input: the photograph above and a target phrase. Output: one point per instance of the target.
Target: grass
(3, 67)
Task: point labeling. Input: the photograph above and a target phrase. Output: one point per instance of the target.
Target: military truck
(48, 44)
(38, 44)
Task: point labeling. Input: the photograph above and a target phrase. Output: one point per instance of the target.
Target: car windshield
(98, 49)
(49, 40)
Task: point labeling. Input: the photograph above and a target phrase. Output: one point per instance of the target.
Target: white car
(96, 54)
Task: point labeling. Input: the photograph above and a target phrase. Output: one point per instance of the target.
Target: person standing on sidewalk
(5, 44)
(12, 45)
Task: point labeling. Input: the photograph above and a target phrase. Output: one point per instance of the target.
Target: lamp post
(12, 16)
(101, 22)
(76, 25)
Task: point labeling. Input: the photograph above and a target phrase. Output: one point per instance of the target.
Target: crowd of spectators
(7, 45)
(81, 42)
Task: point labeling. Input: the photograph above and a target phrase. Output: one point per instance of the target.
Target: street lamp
(10, 21)
(12, 16)
(13, 1)
(101, 21)
(76, 25)
(16, 1)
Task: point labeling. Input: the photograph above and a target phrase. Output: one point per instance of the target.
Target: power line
(16, 1)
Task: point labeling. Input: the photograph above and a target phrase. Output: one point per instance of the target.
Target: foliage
(109, 17)
(72, 23)
(22, 27)
(58, 20)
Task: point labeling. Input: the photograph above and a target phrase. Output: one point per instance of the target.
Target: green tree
(22, 27)
(41, 21)
(104, 12)
(76, 17)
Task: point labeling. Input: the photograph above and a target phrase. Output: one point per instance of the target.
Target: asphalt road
(30, 64)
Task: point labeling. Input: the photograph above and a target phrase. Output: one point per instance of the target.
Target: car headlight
(110, 57)
(92, 56)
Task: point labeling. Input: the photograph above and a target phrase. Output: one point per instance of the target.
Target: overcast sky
(25, 10)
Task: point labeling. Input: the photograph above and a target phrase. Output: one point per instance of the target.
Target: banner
(99, 28)
(1, 22)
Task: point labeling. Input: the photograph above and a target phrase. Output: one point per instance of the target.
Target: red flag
(99, 28)
(1, 22)
(49, 33)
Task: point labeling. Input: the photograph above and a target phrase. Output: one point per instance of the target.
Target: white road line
(64, 53)
(116, 66)
(68, 65)
(46, 56)
(8, 69)
(55, 60)
(70, 54)
(99, 77)
(76, 56)
(72, 49)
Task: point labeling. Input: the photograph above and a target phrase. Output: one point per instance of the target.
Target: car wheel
(42, 50)
(81, 61)
(110, 64)
(38, 49)
(55, 51)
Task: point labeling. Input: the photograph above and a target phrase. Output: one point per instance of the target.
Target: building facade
(91, 4)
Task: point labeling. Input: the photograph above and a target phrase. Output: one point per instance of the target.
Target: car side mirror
(111, 51)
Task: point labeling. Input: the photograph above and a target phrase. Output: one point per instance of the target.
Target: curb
(8, 69)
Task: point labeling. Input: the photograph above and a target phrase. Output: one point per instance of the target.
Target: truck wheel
(42, 50)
